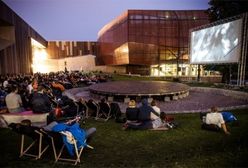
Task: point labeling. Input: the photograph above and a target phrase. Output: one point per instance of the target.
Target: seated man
(13, 101)
(40, 102)
(216, 118)
(145, 111)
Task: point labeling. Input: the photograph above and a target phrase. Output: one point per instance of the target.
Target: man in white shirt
(216, 118)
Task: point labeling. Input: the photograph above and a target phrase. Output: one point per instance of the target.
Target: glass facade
(144, 39)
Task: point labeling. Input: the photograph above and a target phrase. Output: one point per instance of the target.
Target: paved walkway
(197, 101)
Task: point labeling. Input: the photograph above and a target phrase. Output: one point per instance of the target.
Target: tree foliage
(221, 9)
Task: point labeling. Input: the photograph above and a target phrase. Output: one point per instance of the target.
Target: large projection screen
(217, 44)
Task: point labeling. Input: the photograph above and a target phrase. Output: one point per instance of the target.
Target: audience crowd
(41, 92)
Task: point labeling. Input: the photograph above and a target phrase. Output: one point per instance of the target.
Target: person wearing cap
(132, 111)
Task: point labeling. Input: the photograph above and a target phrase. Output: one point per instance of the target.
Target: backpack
(228, 117)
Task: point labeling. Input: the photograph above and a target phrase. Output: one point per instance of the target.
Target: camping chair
(78, 152)
(83, 109)
(29, 132)
(104, 112)
(93, 108)
(52, 135)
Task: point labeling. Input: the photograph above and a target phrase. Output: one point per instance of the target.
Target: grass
(185, 146)
(117, 77)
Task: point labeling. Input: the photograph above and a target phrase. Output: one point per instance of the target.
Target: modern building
(23, 50)
(147, 42)
(15, 42)
(150, 42)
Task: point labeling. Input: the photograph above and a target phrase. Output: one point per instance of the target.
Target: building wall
(113, 42)
(63, 49)
(84, 63)
(17, 57)
(148, 37)
(77, 63)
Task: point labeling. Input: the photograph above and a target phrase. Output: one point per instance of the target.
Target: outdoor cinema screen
(217, 44)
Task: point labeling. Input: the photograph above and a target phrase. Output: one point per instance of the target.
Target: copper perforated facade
(64, 49)
(140, 38)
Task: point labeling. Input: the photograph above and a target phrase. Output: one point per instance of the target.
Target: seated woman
(156, 113)
(157, 124)
(13, 101)
(132, 111)
(214, 118)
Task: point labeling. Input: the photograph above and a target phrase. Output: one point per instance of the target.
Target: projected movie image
(218, 44)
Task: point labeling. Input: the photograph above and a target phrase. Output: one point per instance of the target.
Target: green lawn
(117, 77)
(186, 146)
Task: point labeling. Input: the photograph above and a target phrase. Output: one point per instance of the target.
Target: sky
(81, 20)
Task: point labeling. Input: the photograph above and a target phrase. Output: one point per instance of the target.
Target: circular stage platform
(140, 89)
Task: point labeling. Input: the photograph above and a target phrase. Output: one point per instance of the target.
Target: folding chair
(78, 152)
(73, 142)
(29, 132)
(82, 109)
(104, 112)
(93, 108)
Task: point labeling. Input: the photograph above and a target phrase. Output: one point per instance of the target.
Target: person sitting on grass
(214, 118)
(40, 102)
(157, 124)
(132, 112)
(145, 111)
(13, 101)
(155, 115)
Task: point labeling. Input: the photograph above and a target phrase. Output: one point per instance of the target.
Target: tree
(221, 9)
